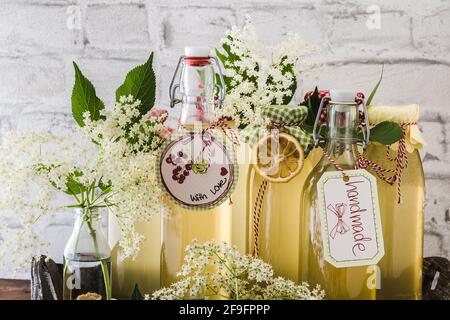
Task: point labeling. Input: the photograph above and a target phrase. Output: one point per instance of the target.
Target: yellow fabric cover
(400, 115)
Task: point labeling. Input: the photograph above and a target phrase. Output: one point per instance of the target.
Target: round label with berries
(198, 170)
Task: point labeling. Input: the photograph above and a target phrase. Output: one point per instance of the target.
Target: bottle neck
(87, 241)
(342, 137)
(197, 88)
(87, 221)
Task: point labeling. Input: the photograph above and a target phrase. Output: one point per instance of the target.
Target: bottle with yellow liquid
(276, 182)
(144, 270)
(240, 204)
(400, 270)
(199, 211)
(341, 279)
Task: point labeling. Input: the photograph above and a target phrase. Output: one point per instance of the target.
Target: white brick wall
(40, 38)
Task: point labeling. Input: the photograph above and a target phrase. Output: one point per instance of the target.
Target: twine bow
(221, 124)
(400, 161)
(340, 227)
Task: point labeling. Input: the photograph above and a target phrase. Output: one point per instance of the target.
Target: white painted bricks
(39, 39)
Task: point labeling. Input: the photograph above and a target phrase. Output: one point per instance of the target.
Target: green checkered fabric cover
(287, 119)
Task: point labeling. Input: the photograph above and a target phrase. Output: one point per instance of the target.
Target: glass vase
(87, 259)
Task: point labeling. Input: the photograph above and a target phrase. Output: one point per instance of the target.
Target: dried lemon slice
(278, 157)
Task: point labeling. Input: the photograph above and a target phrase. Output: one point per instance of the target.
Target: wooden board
(15, 290)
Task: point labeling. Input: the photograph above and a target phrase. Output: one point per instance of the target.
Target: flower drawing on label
(338, 209)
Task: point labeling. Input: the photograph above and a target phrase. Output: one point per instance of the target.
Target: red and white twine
(257, 208)
(400, 160)
(227, 131)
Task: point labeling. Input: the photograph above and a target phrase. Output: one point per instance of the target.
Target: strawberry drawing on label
(197, 170)
(338, 209)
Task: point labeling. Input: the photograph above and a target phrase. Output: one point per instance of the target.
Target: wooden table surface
(15, 290)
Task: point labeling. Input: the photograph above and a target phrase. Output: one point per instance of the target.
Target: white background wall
(39, 39)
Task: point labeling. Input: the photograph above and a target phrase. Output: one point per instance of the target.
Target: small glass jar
(87, 259)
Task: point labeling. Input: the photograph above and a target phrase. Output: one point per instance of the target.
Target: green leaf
(374, 91)
(84, 98)
(141, 84)
(386, 132)
(221, 57)
(105, 187)
(227, 81)
(136, 295)
(72, 185)
(313, 104)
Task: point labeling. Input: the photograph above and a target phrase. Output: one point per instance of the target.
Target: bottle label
(350, 218)
(198, 169)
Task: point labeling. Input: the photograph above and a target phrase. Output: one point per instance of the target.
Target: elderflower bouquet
(106, 163)
(258, 75)
(217, 270)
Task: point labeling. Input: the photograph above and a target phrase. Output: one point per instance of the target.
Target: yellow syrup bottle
(188, 222)
(356, 282)
(274, 217)
(401, 267)
(144, 270)
(239, 199)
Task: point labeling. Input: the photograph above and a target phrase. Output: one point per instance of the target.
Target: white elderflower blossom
(217, 270)
(259, 75)
(117, 168)
(26, 196)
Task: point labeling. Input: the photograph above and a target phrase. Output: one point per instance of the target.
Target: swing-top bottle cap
(342, 96)
(197, 52)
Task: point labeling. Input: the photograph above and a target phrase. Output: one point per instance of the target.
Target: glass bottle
(401, 267)
(342, 147)
(87, 258)
(200, 93)
(279, 224)
(144, 270)
(240, 204)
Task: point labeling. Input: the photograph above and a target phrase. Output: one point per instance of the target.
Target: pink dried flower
(160, 114)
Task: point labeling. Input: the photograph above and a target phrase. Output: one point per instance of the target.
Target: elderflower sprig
(217, 270)
(258, 75)
(115, 172)
(128, 147)
(106, 163)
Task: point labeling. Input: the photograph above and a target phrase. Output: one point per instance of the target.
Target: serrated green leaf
(386, 132)
(136, 295)
(72, 185)
(84, 98)
(140, 82)
(374, 91)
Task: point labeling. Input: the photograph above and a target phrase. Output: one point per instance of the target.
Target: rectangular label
(350, 218)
